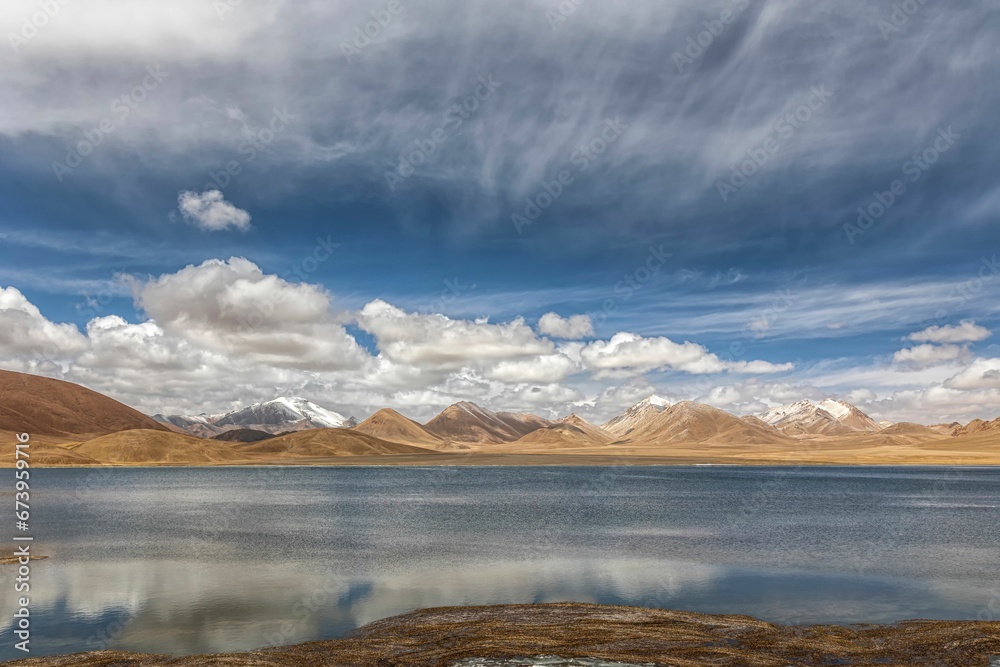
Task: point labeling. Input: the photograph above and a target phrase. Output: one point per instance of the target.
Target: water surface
(191, 560)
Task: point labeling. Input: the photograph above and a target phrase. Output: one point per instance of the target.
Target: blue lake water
(190, 560)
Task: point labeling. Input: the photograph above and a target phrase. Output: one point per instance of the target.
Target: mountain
(804, 417)
(558, 436)
(274, 416)
(597, 433)
(243, 435)
(324, 443)
(848, 415)
(467, 422)
(975, 427)
(829, 417)
(43, 406)
(156, 447)
(638, 414)
(387, 424)
(689, 422)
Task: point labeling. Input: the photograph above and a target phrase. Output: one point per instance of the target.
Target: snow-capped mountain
(274, 416)
(829, 417)
(849, 415)
(636, 416)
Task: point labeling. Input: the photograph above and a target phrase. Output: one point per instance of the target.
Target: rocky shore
(495, 635)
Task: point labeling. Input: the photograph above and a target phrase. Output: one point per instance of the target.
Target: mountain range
(277, 416)
(72, 425)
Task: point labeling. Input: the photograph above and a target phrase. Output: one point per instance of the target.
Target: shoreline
(444, 636)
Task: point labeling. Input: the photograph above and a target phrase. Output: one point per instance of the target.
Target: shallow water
(203, 560)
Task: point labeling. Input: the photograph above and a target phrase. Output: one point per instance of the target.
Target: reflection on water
(207, 560)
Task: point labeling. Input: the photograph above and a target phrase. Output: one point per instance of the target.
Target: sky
(533, 205)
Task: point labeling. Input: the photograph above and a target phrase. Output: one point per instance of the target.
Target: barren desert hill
(144, 446)
(622, 425)
(243, 435)
(598, 434)
(467, 422)
(557, 436)
(43, 406)
(325, 442)
(689, 422)
(387, 424)
(912, 430)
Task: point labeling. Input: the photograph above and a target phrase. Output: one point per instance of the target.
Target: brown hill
(977, 426)
(598, 434)
(145, 446)
(689, 422)
(913, 430)
(387, 424)
(467, 422)
(559, 436)
(242, 435)
(325, 442)
(43, 406)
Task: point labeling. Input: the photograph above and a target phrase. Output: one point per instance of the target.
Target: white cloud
(25, 332)
(924, 356)
(437, 341)
(980, 374)
(630, 354)
(570, 328)
(211, 212)
(232, 307)
(965, 332)
(548, 368)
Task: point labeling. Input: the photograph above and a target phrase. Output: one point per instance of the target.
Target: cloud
(211, 212)
(630, 354)
(548, 369)
(438, 341)
(965, 332)
(980, 374)
(571, 328)
(234, 308)
(924, 356)
(25, 332)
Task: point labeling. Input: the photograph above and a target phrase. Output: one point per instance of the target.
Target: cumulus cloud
(630, 354)
(980, 374)
(233, 307)
(24, 331)
(211, 212)
(571, 328)
(549, 368)
(439, 341)
(965, 332)
(924, 356)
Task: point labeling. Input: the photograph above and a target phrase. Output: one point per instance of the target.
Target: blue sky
(796, 186)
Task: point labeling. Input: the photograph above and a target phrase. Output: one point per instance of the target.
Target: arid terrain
(447, 636)
(73, 426)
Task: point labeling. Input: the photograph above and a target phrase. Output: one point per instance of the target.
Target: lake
(192, 560)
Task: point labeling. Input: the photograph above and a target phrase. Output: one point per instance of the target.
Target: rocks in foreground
(446, 636)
